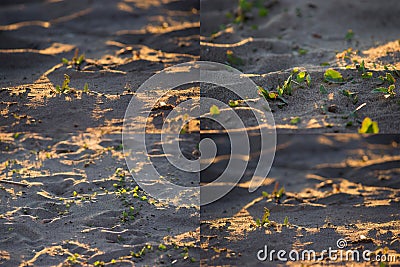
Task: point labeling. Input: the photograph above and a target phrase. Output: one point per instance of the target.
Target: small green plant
(302, 51)
(364, 73)
(264, 222)
(352, 95)
(263, 12)
(99, 263)
(142, 251)
(86, 88)
(387, 91)
(76, 61)
(162, 247)
(235, 103)
(349, 35)
(323, 90)
(296, 78)
(64, 89)
(333, 76)
(369, 126)
(295, 120)
(214, 110)
(276, 194)
(233, 60)
(286, 221)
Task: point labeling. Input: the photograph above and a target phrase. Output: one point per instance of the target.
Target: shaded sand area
(336, 186)
(68, 71)
(66, 195)
(267, 39)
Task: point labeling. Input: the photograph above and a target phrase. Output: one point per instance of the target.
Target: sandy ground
(337, 186)
(66, 195)
(77, 203)
(307, 34)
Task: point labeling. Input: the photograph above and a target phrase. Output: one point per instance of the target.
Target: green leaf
(264, 194)
(245, 5)
(162, 247)
(263, 12)
(232, 59)
(301, 76)
(279, 90)
(86, 88)
(214, 110)
(391, 89)
(295, 120)
(390, 78)
(308, 79)
(380, 90)
(233, 103)
(349, 35)
(333, 76)
(80, 60)
(65, 61)
(366, 75)
(265, 218)
(302, 51)
(369, 126)
(323, 90)
(286, 221)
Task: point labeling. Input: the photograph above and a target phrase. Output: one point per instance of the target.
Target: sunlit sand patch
(375, 57)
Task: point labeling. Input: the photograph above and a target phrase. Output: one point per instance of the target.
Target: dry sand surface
(67, 197)
(307, 34)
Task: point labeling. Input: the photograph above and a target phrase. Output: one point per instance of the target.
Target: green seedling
(214, 110)
(272, 95)
(323, 90)
(162, 247)
(364, 73)
(265, 219)
(64, 89)
(352, 95)
(302, 51)
(295, 120)
(86, 88)
(369, 126)
(387, 91)
(263, 12)
(286, 221)
(333, 76)
(142, 252)
(235, 103)
(233, 60)
(297, 77)
(276, 194)
(76, 61)
(349, 35)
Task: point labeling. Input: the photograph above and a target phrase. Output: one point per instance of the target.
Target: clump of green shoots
(264, 222)
(389, 90)
(296, 78)
(364, 73)
(276, 194)
(76, 61)
(245, 7)
(64, 88)
(142, 251)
